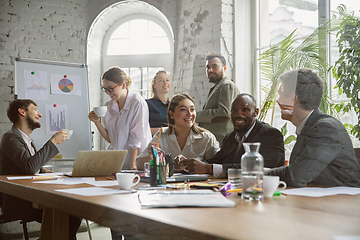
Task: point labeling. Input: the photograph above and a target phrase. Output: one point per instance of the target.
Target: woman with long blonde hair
(158, 104)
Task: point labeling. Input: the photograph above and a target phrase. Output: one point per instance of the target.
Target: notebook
(98, 163)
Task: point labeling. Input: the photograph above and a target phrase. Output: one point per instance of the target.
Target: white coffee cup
(69, 133)
(100, 111)
(126, 180)
(271, 184)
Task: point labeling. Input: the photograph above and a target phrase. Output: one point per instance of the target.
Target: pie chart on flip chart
(66, 85)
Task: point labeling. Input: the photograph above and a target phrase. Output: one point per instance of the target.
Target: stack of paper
(186, 198)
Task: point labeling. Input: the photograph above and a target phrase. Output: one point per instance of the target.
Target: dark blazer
(271, 148)
(323, 155)
(15, 159)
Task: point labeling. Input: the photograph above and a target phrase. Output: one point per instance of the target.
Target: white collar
(26, 138)
(246, 134)
(302, 124)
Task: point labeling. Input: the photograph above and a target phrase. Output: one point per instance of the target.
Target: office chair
(4, 219)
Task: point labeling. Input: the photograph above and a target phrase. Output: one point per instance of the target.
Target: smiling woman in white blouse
(126, 123)
(182, 136)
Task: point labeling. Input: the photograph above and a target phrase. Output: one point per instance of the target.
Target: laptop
(98, 163)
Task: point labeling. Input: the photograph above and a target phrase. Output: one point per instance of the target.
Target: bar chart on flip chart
(61, 92)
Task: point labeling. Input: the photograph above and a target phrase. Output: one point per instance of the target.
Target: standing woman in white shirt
(126, 123)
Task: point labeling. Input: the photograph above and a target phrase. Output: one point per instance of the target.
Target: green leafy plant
(291, 54)
(290, 138)
(346, 69)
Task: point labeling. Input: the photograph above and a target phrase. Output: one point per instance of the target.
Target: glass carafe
(252, 164)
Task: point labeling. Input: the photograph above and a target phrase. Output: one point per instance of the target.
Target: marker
(152, 173)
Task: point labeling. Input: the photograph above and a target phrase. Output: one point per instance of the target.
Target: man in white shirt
(323, 154)
(18, 156)
(246, 129)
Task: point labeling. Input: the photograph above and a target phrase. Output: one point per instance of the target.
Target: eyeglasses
(284, 106)
(109, 89)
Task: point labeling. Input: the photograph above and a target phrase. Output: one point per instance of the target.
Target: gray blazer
(218, 104)
(323, 155)
(15, 159)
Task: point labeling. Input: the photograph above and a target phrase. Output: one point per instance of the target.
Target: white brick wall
(38, 29)
(216, 36)
(57, 30)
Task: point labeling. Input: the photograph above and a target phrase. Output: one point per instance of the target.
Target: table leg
(55, 225)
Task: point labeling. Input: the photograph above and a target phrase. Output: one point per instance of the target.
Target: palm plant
(288, 54)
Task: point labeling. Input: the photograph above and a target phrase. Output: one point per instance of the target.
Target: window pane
(138, 36)
(138, 29)
(135, 75)
(118, 47)
(122, 31)
(158, 45)
(155, 30)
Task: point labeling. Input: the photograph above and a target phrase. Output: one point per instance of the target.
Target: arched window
(141, 45)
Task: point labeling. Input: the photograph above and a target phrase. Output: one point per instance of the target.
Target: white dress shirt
(302, 124)
(129, 127)
(201, 146)
(28, 141)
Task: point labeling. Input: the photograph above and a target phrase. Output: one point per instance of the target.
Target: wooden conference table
(280, 217)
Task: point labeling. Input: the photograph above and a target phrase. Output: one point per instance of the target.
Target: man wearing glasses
(323, 154)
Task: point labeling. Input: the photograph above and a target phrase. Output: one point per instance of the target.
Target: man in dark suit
(215, 115)
(246, 129)
(18, 156)
(323, 153)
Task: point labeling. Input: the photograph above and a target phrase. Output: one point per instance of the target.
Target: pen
(240, 189)
(110, 178)
(44, 177)
(157, 143)
(235, 190)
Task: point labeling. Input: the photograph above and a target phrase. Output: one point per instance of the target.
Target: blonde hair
(153, 90)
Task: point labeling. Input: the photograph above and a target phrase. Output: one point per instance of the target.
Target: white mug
(126, 180)
(100, 111)
(69, 133)
(271, 184)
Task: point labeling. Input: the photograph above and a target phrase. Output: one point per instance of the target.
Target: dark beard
(32, 124)
(217, 78)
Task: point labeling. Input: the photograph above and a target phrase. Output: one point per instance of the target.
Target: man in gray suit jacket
(18, 156)
(215, 115)
(323, 154)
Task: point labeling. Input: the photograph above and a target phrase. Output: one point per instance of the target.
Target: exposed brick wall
(216, 35)
(57, 30)
(50, 30)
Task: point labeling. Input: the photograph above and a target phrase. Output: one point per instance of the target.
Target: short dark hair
(309, 86)
(12, 111)
(245, 94)
(216, 55)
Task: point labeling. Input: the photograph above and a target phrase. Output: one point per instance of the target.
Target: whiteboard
(63, 89)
